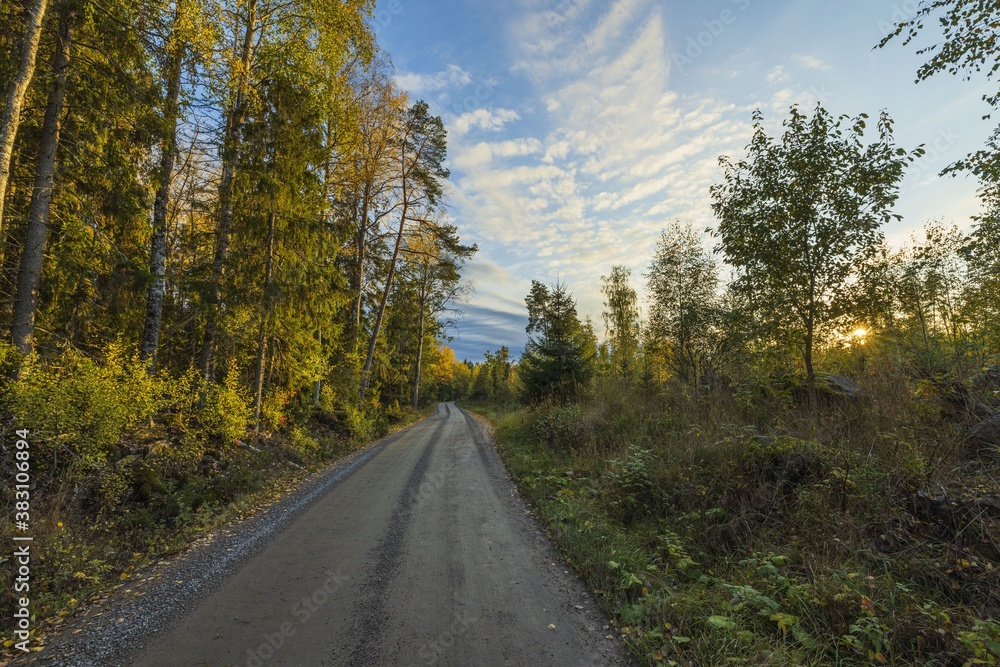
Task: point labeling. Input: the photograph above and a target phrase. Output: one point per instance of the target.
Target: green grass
(711, 545)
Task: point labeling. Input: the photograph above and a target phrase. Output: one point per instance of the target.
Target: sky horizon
(579, 130)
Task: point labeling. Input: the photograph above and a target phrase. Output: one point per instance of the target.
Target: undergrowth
(129, 467)
(717, 533)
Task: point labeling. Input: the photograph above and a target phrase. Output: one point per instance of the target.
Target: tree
(621, 320)
(970, 46)
(558, 359)
(29, 275)
(16, 91)
(682, 283)
(319, 36)
(422, 150)
(796, 216)
(437, 257)
(369, 177)
(181, 34)
(982, 256)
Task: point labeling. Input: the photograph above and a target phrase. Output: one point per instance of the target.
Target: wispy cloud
(810, 62)
(421, 84)
(484, 119)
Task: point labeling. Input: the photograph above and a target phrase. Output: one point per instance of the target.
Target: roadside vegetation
(794, 457)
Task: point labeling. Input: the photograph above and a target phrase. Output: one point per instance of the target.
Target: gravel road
(417, 551)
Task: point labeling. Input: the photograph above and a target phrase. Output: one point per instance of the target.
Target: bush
(631, 491)
(226, 409)
(560, 426)
(302, 444)
(82, 407)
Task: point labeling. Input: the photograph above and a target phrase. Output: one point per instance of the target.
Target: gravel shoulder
(416, 550)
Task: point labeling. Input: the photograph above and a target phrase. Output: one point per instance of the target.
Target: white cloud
(484, 119)
(811, 62)
(776, 75)
(420, 84)
(616, 155)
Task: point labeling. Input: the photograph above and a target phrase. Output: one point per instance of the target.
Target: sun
(860, 332)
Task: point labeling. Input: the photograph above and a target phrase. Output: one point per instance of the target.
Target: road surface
(422, 555)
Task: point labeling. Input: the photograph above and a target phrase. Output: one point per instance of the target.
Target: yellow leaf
(658, 657)
(8, 643)
(881, 658)
(124, 575)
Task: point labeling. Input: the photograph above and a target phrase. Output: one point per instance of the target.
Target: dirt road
(422, 555)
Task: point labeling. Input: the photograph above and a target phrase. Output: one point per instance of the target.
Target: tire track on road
(370, 610)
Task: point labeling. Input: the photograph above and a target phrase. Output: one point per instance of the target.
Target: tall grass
(743, 527)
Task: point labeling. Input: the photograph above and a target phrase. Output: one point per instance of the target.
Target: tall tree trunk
(15, 94)
(360, 285)
(158, 244)
(366, 372)
(810, 373)
(29, 276)
(230, 153)
(318, 385)
(258, 375)
(420, 352)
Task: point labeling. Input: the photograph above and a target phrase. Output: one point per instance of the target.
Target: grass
(718, 531)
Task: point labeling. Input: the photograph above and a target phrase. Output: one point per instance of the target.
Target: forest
(226, 258)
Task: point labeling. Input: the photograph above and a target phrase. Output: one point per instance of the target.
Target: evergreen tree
(558, 359)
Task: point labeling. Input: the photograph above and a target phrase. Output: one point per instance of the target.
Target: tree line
(236, 187)
(808, 272)
(799, 228)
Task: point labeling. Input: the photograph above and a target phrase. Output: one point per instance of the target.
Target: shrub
(560, 426)
(82, 407)
(302, 444)
(630, 487)
(226, 409)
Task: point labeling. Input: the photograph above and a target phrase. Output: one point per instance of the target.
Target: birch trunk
(158, 244)
(16, 92)
(29, 275)
(230, 152)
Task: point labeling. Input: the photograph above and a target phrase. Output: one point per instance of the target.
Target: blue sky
(580, 129)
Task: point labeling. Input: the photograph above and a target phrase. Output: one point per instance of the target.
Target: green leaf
(721, 622)
(803, 637)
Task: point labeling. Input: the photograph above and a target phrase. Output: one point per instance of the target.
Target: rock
(985, 436)
(830, 388)
(837, 385)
